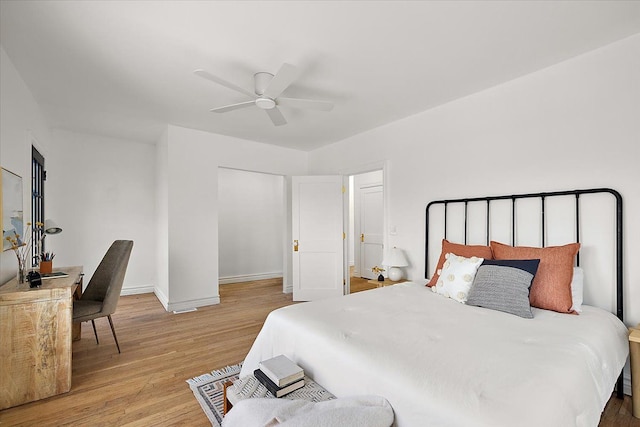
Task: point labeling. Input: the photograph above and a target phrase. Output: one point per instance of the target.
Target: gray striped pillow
(503, 285)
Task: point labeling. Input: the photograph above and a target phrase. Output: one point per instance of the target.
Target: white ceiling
(125, 69)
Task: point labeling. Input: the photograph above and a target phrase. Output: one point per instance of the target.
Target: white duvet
(442, 363)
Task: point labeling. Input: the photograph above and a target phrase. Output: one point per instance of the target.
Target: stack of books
(280, 375)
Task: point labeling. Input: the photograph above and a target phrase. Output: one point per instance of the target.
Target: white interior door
(318, 239)
(371, 229)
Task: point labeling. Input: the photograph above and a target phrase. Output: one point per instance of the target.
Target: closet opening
(251, 226)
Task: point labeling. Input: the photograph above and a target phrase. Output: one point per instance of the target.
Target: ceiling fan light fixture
(265, 103)
(268, 91)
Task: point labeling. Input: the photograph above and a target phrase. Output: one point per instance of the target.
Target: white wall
(99, 190)
(573, 125)
(192, 162)
(162, 217)
(250, 225)
(21, 124)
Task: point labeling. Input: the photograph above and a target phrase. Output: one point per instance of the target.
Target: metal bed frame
(542, 197)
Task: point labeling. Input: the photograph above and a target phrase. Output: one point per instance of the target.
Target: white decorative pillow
(457, 277)
(577, 288)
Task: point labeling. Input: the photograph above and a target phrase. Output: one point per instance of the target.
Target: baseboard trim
(186, 305)
(164, 300)
(249, 277)
(136, 290)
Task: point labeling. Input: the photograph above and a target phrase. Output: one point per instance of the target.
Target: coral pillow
(466, 251)
(551, 288)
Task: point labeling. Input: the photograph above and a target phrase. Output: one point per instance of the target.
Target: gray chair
(100, 298)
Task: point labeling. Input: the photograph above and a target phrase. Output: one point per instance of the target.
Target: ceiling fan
(268, 89)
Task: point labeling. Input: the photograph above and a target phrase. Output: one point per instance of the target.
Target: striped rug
(208, 390)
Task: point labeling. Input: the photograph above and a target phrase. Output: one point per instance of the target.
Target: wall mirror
(12, 214)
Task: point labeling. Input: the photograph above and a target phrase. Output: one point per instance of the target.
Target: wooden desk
(35, 338)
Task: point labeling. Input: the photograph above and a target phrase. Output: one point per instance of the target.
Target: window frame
(38, 178)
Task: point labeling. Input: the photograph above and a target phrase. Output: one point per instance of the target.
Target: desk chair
(100, 298)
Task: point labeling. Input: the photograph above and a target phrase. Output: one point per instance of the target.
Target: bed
(442, 363)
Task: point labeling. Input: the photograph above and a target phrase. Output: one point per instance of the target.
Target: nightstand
(634, 350)
(386, 282)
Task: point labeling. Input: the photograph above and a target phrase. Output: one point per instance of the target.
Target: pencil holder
(46, 267)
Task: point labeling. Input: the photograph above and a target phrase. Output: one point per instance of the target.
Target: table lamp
(395, 259)
(50, 227)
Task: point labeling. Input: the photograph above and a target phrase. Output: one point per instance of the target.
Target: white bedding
(442, 363)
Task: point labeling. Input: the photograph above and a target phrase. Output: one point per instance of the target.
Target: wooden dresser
(35, 338)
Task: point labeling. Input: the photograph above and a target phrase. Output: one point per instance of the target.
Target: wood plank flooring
(145, 385)
(358, 284)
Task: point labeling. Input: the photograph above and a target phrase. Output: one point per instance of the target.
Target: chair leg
(114, 333)
(94, 331)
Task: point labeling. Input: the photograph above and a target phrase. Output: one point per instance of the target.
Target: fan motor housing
(262, 80)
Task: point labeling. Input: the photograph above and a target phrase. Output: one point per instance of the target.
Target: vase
(22, 271)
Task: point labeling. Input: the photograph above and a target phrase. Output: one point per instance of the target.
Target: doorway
(366, 222)
(251, 225)
(338, 227)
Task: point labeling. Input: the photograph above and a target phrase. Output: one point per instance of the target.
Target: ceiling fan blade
(207, 75)
(308, 104)
(276, 116)
(233, 107)
(283, 78)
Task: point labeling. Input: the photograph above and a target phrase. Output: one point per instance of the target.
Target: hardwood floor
(145, 385)
(359, 284)
(618, 413)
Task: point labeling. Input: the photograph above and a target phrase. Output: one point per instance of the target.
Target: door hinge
(344, 235)
(344, 190)
(44, 175)
(362, 237)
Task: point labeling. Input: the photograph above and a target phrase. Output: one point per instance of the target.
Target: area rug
(209, 390)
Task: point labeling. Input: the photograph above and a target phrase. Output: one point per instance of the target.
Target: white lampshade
(50, 227)
(394, 259)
